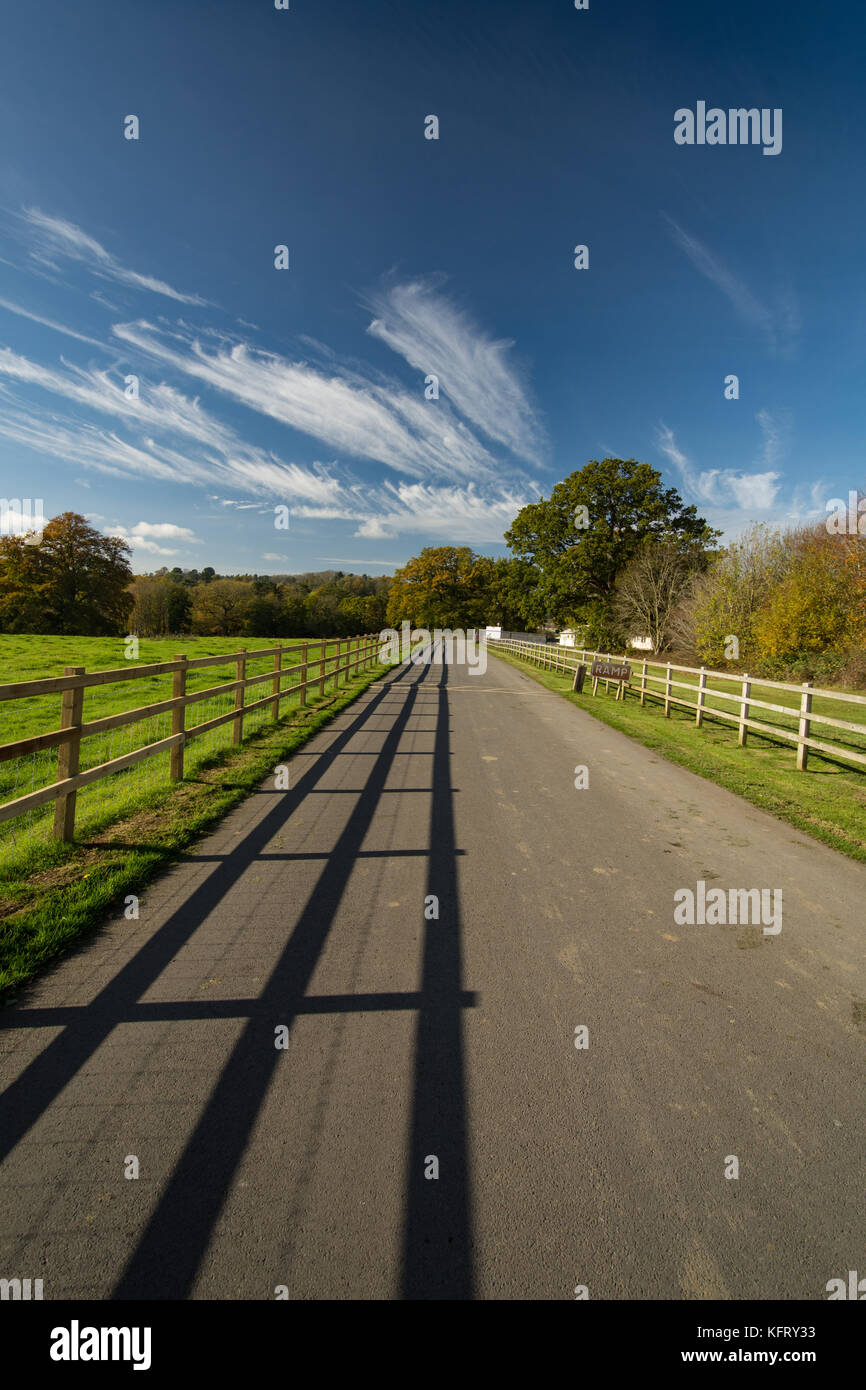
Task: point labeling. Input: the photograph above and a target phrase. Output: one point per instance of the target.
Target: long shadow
(39, 1084)
(166, 1261)
(437, 1244)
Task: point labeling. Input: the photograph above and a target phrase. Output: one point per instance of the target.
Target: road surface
(417, 1043)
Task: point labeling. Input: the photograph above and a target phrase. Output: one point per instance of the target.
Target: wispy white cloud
(360, 416)
(146, 535)
(473, 370)
(340, 560)
(722, 487)
(462, 513)
(48, 323)
(448, 482)
(163, 530)
(159, 410)
(779, 327)
(53, 240)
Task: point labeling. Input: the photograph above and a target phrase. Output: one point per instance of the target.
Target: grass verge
(827, 801)
(71, 888)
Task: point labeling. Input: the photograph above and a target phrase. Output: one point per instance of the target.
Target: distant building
(641, 644)
(501, 634)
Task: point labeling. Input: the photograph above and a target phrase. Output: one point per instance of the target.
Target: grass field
(51, 893)
(827, 800)
(24, 840)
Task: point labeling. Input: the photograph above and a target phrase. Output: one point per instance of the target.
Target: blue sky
(408, 257)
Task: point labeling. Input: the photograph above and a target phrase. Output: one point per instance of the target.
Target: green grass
(55, 893)
(25, 840)
(827, 800)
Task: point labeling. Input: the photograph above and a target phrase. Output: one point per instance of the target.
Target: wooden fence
(75, 680)
(553, 657)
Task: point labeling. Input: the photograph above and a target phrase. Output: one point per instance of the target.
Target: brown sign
(610, 670)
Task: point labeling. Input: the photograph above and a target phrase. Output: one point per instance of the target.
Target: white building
(641, 644)
(497, 634)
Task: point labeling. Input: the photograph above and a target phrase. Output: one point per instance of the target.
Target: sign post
(608, 670)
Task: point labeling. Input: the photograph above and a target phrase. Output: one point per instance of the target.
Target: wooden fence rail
(553, 657)
(75, 680)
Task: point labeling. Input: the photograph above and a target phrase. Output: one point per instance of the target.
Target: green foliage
(445, 586)
(72, 580)
(733, 591)
(590, 527)
(328, 604)
(809, 612)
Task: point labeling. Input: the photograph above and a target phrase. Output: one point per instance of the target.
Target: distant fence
(646, 685)
(351, 655)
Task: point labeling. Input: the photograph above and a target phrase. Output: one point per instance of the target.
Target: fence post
(71, 707)
(805, 725)
(643, 684)
(702, 685)
(744, 711)
(668, 693)
(323, 665)
(302, 692)
(178, 719)
(238, 721)
(278, 666)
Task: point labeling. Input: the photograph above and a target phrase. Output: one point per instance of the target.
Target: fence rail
(552, 657)
(351, 655)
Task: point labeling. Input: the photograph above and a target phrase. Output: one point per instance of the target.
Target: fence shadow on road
(437, 1255)
(437, 1231)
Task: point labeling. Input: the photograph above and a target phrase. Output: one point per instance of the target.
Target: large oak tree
(583, 536)
(73, 581)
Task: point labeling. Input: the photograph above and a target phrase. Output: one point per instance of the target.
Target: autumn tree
(817, 607)
(74, 581)
(728, 598)
(219, 606)
(445, 586)
(161, 606)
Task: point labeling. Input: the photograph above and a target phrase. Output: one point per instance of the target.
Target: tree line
(611, 552)
(328, 604)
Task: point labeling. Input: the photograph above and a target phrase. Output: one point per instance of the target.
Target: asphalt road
(412, 1039)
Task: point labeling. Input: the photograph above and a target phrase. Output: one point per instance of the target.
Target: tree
(512, 594)
(161, 606)
(219, 606)
(76, 581)
(21, 604)
(649, 590)
(729, 596)
(582, 537)
(445, 586)
(814, 608)
(263, 616)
